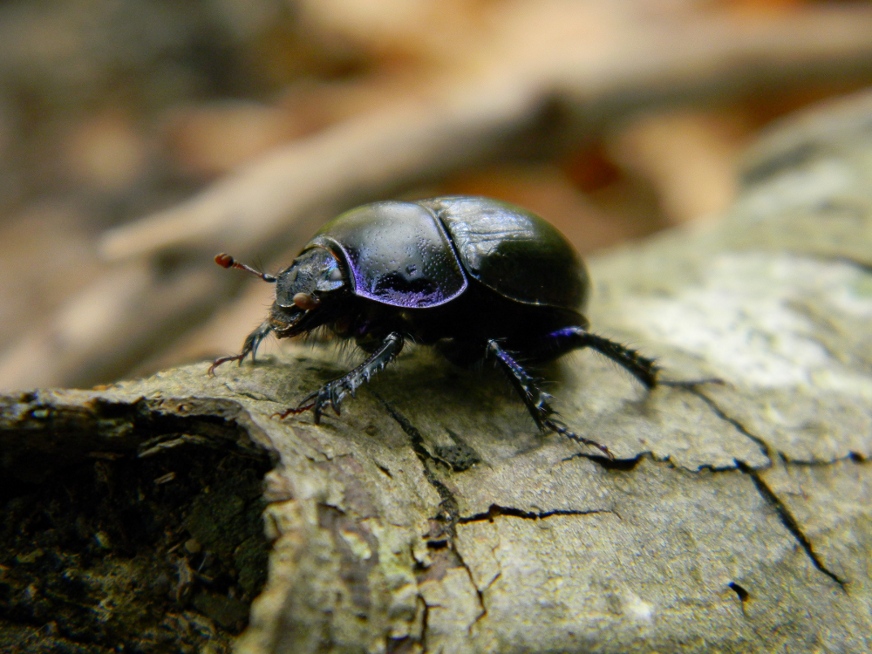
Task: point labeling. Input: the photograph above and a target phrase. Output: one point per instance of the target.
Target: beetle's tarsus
(252, 342)
(222, 360)
(281, 415)
(560, 428)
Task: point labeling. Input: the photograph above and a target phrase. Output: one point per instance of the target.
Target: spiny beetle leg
(536, 400)
(332, 393)
(567, 339)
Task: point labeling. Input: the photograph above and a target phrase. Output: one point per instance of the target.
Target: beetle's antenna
(226, 261)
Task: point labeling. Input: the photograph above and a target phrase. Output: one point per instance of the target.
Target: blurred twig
(110, 325)
(475, 117)
(523, 91)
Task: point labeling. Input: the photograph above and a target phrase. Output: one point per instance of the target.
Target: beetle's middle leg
(564, 340)
(535, 399)
(332, 393)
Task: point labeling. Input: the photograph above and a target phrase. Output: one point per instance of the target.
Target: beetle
(474, 277)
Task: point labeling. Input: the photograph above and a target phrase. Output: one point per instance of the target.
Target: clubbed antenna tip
(226, 261)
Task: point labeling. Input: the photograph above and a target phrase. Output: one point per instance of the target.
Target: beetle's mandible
(474, 277)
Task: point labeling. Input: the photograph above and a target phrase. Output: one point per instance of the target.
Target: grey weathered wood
(738, 517)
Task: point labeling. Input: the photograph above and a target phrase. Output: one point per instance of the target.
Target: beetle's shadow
(479, 407)
(464, 415)
(444, 402)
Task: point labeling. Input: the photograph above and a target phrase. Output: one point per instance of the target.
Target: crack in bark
(249, 394)
(607, 463)
(720, 413)
(495, 510)
(789, 521)
(863, 266)
(784, 514)
(854, 457)
(448, 510)
(425, 618)
(450, 517)
(770, 452)
(478, 592)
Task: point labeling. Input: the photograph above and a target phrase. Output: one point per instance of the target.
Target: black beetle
(473, 277)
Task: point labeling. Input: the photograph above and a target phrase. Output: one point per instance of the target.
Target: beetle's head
(304, 292)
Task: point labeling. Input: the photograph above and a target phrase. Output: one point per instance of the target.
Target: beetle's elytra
(474, 277)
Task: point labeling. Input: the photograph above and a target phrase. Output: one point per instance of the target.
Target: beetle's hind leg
(252, 342)
(536, 400)
(332, 393)
(564, 340)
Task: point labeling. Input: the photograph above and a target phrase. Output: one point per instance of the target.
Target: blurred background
(138, 139)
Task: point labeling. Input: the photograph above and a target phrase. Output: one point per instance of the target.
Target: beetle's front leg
(536, 400)
(252, 342)
(335, 391)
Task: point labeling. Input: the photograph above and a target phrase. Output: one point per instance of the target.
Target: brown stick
(475, 117)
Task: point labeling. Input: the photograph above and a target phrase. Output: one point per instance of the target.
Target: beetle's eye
(330, 277)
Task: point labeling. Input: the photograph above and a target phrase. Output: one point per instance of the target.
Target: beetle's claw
(559, 427)
(302, 407)
(546, 420)
(292, 411)
(586, 441)
(316, 402)
(307, 403)
(222, 360)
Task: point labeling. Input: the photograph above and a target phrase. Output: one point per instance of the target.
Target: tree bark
(432, 516)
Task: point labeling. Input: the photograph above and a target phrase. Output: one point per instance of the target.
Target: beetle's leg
(567, 339)
(252, 342)
(536, 400)
(335, 391)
